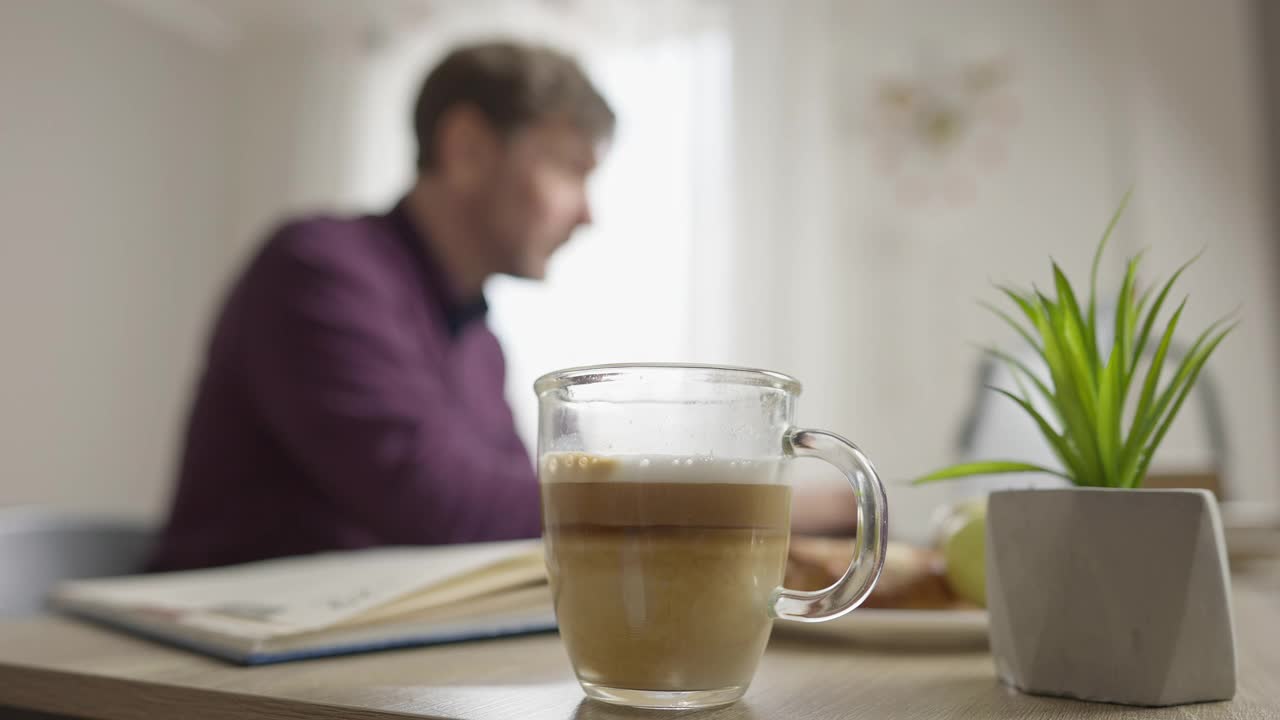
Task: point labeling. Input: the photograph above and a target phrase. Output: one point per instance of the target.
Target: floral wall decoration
(935, 133)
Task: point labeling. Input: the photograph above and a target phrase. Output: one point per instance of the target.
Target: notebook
(330, 603)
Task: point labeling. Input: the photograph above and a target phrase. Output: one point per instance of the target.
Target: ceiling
(223, 24)
(305, 15)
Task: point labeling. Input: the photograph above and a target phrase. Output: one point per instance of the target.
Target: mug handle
(873, 521)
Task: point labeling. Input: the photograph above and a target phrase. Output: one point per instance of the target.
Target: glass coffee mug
(666, 519)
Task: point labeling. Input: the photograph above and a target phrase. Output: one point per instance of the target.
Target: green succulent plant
(1089, 392)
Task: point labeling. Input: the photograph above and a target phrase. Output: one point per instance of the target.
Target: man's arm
(349, 393)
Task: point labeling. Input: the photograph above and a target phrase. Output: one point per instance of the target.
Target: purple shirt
(347, 403)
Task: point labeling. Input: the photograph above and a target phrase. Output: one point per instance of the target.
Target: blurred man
(353, 395)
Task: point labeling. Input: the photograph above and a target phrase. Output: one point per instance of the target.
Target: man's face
(536, 197)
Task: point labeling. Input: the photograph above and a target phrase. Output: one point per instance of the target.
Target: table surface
(58, 665)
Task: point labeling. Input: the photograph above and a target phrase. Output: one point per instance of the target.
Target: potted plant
(1104, 591)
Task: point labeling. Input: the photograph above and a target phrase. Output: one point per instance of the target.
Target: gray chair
(40, 547)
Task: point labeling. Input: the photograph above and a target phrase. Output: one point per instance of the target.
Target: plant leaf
(1186, 378)
(1026, 335)
(1068, 398)
(1124, 320)
(987, 467)
(1150, 406)
(1141, 416)
(1097, 260)
(1017, 367)
(1056, 442)
(1067, 361)
(1110, 404)
(1077, 331)
(1134, 316)
(1024, 303)
(1185, 368)
(1146, 297)
(1141, 346)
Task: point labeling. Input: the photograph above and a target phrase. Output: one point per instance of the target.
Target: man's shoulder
(325, 258)
(359, 249)
(324, 240)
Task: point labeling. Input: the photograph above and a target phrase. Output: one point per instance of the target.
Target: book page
(294, 594)
(504, 574)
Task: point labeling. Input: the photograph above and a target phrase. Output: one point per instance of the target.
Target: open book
(330, 603)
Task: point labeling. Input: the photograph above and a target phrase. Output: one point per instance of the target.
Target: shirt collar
(457, 314)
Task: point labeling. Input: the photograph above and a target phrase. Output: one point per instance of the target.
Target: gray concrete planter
(1110, 595)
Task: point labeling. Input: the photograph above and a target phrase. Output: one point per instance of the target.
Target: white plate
(918, 629)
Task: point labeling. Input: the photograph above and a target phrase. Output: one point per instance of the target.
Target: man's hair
(513, 86)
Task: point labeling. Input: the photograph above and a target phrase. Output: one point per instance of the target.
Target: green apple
(965, 552)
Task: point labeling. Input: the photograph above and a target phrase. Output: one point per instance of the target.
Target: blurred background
(821, 187)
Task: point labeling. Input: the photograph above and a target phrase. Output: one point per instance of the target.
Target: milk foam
(586, 467)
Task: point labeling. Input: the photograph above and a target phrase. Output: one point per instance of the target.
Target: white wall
(112, 248)
(293, 146)
(137, 167)
(1199, 142)
(872, 303)
(1165, 96)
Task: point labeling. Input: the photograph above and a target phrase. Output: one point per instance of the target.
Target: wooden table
(57, 665)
